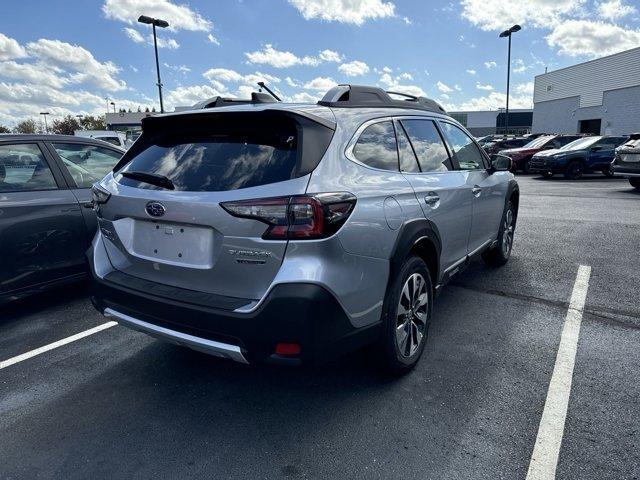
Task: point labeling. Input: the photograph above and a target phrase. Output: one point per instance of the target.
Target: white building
(487, 122)
(601, 96)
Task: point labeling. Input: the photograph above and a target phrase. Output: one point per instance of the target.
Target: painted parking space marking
(546, 451)
(51, 346)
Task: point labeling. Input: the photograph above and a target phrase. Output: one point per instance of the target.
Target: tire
(608, 172)
(526, 166)
(574, 170)
(547, 174)
(406, 315)
(635, 183)
(500, 254)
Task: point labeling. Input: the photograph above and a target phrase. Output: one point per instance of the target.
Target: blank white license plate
(630, 157)
(174, 243)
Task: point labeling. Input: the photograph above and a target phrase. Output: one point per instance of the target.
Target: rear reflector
(301, 217)
(288, 349)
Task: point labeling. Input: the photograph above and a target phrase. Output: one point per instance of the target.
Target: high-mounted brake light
(300, 217)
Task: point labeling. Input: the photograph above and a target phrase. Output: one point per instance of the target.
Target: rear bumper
(625, 170)
(302, 313)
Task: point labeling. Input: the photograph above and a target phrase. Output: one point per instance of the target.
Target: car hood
(519, 151)
(548, 153)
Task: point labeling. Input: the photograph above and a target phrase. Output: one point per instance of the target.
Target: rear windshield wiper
(151, 179)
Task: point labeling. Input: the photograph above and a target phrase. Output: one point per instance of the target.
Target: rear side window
(87, 164)
(408, 160)
(376, 147)
(23, 168)
(428, 145)
(467, 153)
(226, 151)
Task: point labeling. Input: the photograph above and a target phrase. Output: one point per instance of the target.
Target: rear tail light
(300, 217)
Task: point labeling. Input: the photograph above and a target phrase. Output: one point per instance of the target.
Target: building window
(460, 118)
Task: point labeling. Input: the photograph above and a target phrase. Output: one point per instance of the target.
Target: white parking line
(547, 448)
(51, 346)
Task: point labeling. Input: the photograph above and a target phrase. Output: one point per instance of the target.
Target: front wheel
(547, 174)
(500, 254)
(574, 170)
(406, 317)
(608, 172)
(526, 166)
(635, 183)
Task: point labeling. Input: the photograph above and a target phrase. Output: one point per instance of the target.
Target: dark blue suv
(585, 155)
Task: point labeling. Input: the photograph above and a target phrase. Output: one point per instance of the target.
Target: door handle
(432, 199)
(476, 190)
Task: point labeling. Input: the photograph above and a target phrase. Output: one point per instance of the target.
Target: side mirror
(501, 163)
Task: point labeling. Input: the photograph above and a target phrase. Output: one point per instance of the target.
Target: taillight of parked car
(99, 195)
(299, 217)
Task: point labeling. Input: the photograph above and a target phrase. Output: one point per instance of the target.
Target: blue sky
(67, 56)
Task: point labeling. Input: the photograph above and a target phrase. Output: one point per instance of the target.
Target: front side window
(465, 150)
(87, 164)
(23, 168)
(376, 147)
(428, 145)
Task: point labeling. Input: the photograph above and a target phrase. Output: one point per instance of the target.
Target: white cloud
(285, 59)
(471, 72)
(73, 57)
(186, 96)
(387, 70)
(213, 39)
(279, 58)
(137, 37)
(493, 101)
(520, 66)
(36, 73)
(346, 11)
(487, 87)
(178, 68)
(592, 39)
(458, 88)
(291, 82)
(180, 17)
(405, 76)
(330, 56)
(133, 34)
(444, 96)
(614, 9)
(320, 83)
(354, 69)
(525, 89)
(500, 14)
(490, 65)
(304, 97)
(414, 90)
(443, 87)
(10, 48)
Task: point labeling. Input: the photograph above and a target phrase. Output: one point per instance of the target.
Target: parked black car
(626, 161)
(498, 144)
(45, 183)
(586, 155)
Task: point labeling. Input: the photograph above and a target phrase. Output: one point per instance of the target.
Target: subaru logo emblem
(155, 209)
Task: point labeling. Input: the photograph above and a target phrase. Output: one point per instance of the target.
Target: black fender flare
(410, 234)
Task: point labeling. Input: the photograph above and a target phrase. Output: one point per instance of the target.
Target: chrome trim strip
(456, 264)
(224, 350)
(481, 247)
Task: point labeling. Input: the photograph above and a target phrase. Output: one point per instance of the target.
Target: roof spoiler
(345, 96)
(217, 102)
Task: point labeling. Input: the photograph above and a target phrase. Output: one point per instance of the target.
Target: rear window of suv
(228, 152)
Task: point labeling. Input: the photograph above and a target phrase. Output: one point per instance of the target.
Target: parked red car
(521, 156)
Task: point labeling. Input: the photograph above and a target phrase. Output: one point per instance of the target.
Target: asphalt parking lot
(120, 404)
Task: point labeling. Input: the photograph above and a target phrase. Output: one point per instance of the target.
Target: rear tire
(526, 166)
(608, 172)
(500, 254)
(547, 175)
(574, 170)
(406, 315)
(635, 183)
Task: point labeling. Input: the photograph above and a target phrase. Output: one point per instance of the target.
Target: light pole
(46, 127)
(80, 117)
(156, 22)
(507, 33)
(113, 104)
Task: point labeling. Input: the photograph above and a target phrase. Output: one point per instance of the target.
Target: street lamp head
(44, 113)
(514, 29)
(153, 21)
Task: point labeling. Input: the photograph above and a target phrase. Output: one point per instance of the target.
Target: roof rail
(364, 96)
(217, 102)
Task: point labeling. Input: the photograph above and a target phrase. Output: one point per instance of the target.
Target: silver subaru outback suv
(292, 233)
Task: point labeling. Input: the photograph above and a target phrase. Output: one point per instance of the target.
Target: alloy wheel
(507, 234)
(411, 317)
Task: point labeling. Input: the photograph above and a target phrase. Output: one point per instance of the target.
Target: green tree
(89, 122)
(4, 129)
(67, 125)
(27, 126)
